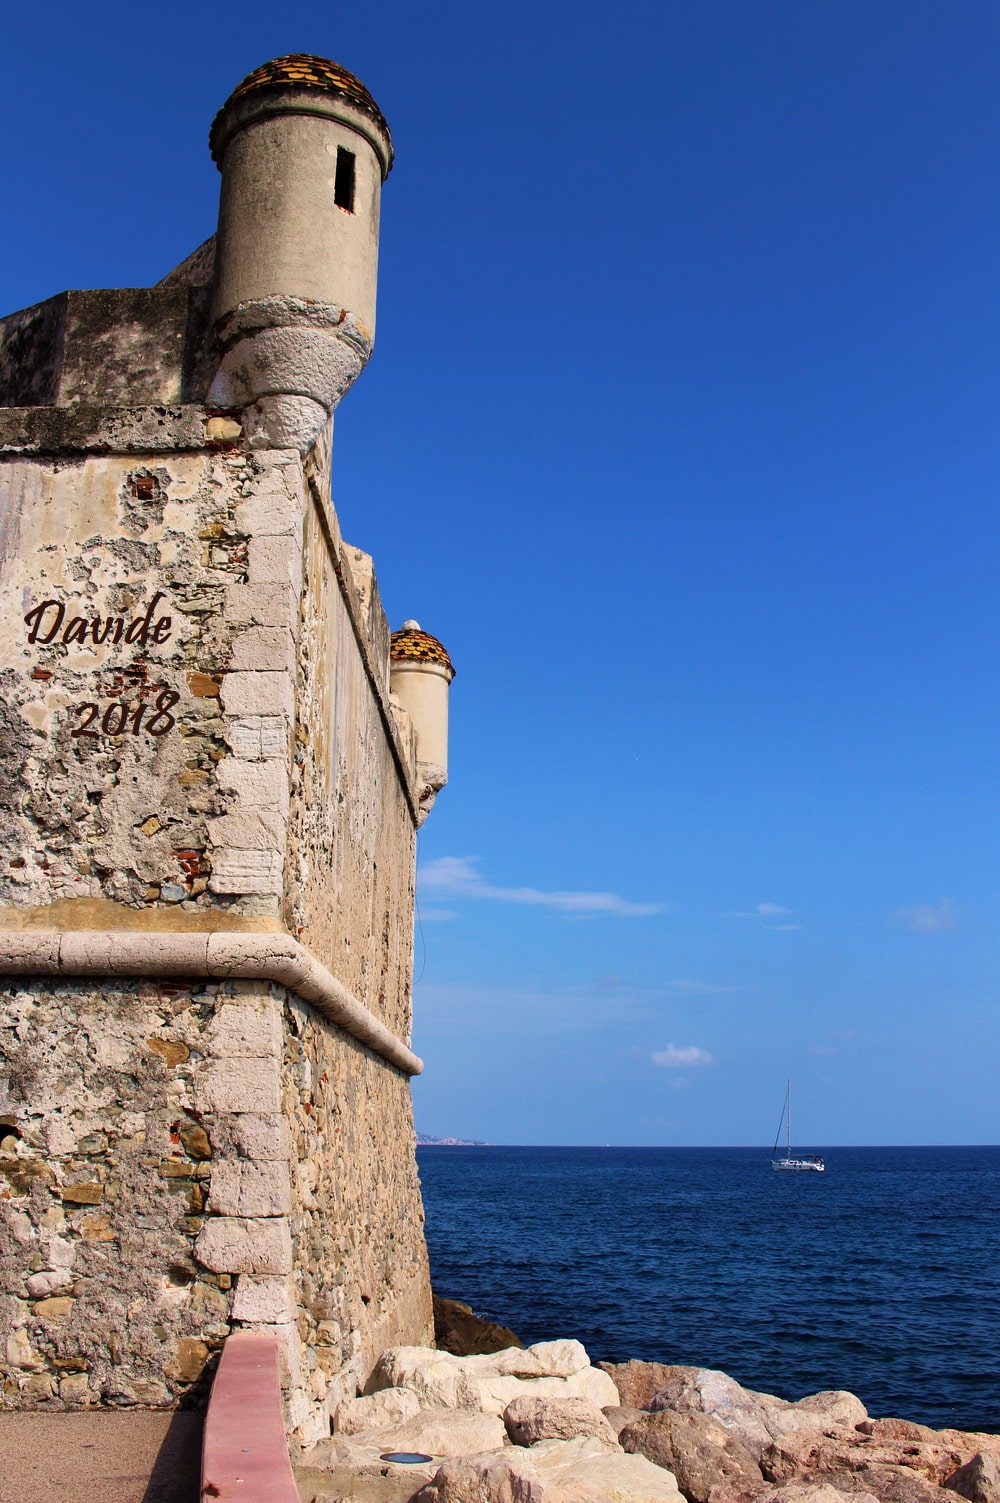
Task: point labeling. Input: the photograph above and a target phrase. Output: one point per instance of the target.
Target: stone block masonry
(176, 1161)
(209, 801)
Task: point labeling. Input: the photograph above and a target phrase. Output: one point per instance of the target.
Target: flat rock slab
(100, 1456)
(386, 1483)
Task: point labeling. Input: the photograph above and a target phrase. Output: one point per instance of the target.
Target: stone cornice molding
(219, 955)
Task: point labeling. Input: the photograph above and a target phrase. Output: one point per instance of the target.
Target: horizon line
(697, 1147)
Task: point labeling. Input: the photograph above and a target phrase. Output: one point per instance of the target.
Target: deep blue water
(881, 1276)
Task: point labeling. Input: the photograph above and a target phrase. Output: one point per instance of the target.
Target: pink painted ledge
(244, 1456)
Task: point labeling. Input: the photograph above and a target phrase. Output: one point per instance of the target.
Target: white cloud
(690, 986)
(457, 877)
(763, 911)
(927, 918)
(435, 915)
(682, 1058)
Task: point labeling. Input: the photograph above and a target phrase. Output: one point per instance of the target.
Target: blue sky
(681, 434)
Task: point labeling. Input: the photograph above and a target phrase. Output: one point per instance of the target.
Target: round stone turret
(303, 150)
(420, 672)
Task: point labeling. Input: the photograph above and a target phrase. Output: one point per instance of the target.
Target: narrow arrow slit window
(343, 183)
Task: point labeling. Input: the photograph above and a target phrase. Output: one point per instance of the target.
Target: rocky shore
(541, 1424)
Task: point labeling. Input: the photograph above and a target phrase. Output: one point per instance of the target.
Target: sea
(881, 1276)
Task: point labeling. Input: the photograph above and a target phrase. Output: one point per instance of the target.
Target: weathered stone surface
(195, 1140)
(445, 1432)
(812, 1492)
(833, 1407)
(20, 1353)
(560, 1359)
(754, 1418)
(75, 1391)
(590, 1383)
(55, 1309)
(691, 1390)
(512, 1362)
(247, 1029)
(887, 1483)
(239, 1085)
(457, 1329)
(261, 1137)
(553, 1471)
(438, 1379)
(188, 1360)
(171, 1051)
(375, 1411)
(896, 1429)
(801, 1453)
(529, 1420)
(638, 1382)
(699, 1451)
(474, 1382)
(261, 1299)
(978, 1480)
(620, 1415)
(893, 1468)
(86, 1193)
(41, 1284)
(495, 1391)
(232, 1244)
(242, 1188)
(361, 1483)
(494, 1477)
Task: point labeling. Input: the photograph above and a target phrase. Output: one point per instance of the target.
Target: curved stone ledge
(221, 955)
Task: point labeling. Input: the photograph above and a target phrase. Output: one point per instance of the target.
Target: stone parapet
(119, 347)
(163, 428)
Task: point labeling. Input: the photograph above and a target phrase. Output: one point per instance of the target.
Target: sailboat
(806, 1162)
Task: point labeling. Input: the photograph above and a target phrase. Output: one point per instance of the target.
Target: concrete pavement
(100, 1456)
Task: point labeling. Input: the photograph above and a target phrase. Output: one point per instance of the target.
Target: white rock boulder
(376, 1411)
(439, 1380)
(529, 1420)
(491, 1381)
(553, 1471)
(831, 1407)
(560, 1359)
(590, 1383)
(445, 1432)
(512, 1362)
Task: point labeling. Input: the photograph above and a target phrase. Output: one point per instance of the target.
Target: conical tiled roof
(301, 70)
(411, 644)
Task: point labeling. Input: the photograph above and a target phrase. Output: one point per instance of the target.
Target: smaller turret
(420, 672)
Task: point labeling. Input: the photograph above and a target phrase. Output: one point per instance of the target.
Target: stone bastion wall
(208, 804)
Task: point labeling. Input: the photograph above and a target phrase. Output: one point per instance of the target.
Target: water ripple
(882, 1276)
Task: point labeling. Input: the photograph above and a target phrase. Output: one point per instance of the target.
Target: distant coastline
(424, 1140)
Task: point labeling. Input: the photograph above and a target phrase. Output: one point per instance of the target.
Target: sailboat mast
(788, 1115)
